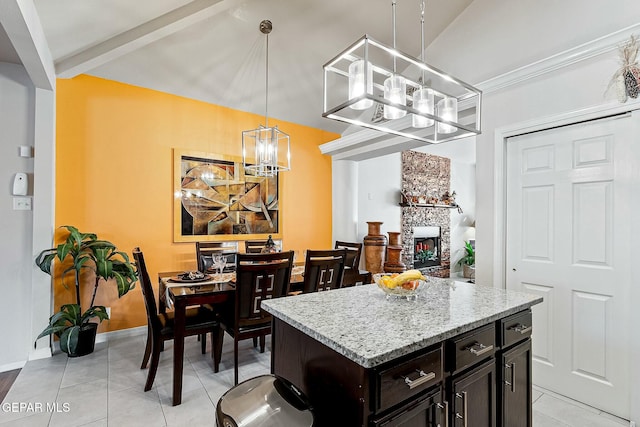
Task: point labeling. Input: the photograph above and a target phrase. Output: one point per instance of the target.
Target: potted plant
(468, 261)
(81, 253)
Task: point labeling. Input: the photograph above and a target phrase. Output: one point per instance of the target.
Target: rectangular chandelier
(418, 101)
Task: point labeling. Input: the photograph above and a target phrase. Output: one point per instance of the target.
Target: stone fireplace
(426, 227)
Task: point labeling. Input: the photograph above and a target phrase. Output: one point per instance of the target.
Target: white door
(568, 240)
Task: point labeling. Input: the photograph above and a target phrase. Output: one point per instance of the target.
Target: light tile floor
(105, 389)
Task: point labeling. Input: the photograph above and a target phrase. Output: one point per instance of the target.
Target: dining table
(178, 294)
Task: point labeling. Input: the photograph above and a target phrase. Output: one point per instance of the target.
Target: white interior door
(568, 240)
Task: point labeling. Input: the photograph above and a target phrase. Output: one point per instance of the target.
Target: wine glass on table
(219, 263)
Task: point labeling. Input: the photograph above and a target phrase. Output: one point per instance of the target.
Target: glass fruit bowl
(407, 289)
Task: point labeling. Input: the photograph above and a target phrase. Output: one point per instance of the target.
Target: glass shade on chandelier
(360, 82)
(395, 90)
(423, 102)
(265, 151)
(447, 110)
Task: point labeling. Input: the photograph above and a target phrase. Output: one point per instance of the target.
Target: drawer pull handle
(423, 378)
(463, 417)
(522, 329)
(445, 408)
(478, 349)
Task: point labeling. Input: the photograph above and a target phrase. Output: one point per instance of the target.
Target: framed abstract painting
(215, 199)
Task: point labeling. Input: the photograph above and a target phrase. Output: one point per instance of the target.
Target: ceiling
(212, 50)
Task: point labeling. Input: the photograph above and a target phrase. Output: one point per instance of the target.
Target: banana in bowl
(402, 285)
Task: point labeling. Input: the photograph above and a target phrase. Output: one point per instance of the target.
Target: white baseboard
(43, 353)
(12, 366)
(121, 333)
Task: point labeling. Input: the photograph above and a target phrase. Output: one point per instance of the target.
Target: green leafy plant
(81, 252)
(425, 255)
(470, 255)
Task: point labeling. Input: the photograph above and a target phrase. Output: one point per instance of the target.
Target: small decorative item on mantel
(627, 79)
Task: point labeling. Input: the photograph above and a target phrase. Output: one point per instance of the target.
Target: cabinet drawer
(470, 348)
(409, 378)
(515, 328)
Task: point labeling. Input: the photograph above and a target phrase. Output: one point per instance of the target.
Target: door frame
(501, 135)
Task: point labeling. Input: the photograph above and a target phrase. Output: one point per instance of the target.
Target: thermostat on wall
(20, 184)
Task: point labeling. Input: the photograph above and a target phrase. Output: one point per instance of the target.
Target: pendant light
(379, 87)
(395, 86)
(423, 99)
(266, 150)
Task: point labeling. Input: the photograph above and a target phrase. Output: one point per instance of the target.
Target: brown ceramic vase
(375, 245)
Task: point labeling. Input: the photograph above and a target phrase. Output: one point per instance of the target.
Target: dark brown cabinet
(513, 363)
(481, 378)
(428, 411)
(472, 397)
(514, 377)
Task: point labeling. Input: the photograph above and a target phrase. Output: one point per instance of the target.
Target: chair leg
(153, 369)
(262, 343)
(235, 361)
(255, 342)
(203, 342)
(216, 350)
(147, 349)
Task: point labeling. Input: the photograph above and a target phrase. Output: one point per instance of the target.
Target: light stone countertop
(362, 324)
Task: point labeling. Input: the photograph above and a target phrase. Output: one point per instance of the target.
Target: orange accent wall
(114, 169)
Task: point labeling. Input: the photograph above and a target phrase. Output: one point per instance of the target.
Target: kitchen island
(365, 360)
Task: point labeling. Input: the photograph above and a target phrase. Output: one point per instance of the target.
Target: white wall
(378, 195)
(492, 37)
(17, 95)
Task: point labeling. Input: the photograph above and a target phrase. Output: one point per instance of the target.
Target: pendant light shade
(395, 91)
(379, 87)
(266, 150)
(360, 82)
(447, 110)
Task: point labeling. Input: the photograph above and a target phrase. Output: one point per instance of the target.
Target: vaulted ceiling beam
(142, 35)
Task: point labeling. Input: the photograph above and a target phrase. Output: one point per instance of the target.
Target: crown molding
(351, 146)
(560, 60)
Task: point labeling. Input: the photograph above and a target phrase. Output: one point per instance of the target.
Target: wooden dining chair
(352, 273)
(199, 321)
(323, 270)
(254, 246)
(206, 250)
(258, 277)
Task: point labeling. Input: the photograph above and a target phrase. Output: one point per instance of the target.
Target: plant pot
(86, 340)
(468, 271)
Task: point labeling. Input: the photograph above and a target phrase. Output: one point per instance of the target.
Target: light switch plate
(22, 203)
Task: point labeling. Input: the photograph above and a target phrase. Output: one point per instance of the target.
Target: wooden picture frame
(214, 199)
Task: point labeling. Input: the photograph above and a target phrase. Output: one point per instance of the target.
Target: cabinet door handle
(446, 412)
(513, 377)
(511, 383)
(479, 349)
(423, 378)
(522, 329)
(463, 417)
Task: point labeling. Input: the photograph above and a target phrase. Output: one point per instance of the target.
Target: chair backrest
(323, 270)
(260, 277)
(254, 246)
(206, 250)
(354, 250)
(147, 290)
